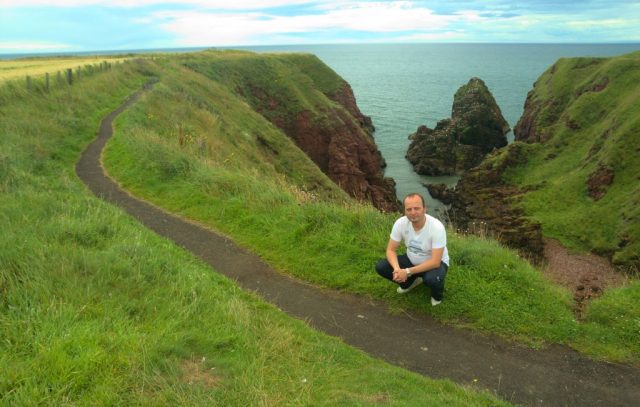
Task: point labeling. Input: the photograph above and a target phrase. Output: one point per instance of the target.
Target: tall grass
(96, 310)
(336, 243)
(37, 67)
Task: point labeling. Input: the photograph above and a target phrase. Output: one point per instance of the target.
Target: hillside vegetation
(582, 120)
(97, 310)
(328, 242)
(312, 105)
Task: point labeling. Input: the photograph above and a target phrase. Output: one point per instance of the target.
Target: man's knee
(435, 277)
(383, 268)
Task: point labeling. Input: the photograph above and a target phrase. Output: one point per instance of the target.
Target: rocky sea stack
(457, 144)
(573, 168)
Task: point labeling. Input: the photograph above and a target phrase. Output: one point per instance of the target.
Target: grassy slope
(336, 244)
(298, 80)
(208, 120)
(96, 310)
(605, 132)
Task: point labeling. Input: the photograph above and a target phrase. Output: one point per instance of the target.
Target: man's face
(413, 208)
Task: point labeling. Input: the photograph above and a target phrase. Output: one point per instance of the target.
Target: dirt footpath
(586, 275)
(556, 376)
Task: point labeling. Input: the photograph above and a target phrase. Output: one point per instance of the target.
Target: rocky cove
(458, 146)
(470, 144)
(571, 170)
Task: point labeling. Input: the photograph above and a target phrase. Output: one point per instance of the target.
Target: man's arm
(401, 276)
(432, 263)
(392, 254)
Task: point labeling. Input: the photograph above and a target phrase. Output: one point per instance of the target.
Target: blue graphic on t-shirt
(415, 247)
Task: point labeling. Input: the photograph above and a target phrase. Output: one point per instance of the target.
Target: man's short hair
(411, 195)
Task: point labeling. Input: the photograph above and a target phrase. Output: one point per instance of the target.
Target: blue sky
(93, 25)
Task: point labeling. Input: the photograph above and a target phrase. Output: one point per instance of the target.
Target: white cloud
(470, 16)
(253, 22)
(201, 28)
(214, 4)
(30, 46)
(608, 23)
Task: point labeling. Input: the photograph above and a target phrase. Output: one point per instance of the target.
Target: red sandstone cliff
(347, 155)
(338, 138)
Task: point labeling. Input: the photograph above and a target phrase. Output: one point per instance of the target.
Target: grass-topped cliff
(95, 309)
(314, 106)
(582, 120)
(334, 243)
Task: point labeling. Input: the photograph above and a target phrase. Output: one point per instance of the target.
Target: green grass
(605, 127)
(97, 310)
(335, 243)
(279, 86)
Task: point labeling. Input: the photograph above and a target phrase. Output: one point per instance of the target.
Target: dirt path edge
(557, 376)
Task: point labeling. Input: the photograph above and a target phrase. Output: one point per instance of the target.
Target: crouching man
(426, 260)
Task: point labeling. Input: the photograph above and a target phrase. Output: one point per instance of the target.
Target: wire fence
(66, 77)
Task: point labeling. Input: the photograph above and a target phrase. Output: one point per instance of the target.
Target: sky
(31, 26)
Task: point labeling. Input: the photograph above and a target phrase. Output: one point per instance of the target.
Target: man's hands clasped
(400, 275)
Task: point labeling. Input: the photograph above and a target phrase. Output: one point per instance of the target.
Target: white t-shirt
(419, 244)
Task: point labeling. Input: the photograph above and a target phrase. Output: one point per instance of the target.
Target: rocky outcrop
(344, 151)
(579, 128)
(441, 192)
(339, 140)
(347, 99)
(482, 198)
(475, 128)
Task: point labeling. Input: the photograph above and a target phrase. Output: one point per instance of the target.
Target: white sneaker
(413, 285)
(435, 302)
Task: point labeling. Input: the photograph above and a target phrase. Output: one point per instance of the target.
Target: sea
(403, 86)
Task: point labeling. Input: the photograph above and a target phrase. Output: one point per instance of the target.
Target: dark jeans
(434, 278)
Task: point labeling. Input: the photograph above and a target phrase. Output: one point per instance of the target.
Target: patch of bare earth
(377, 399)
(194, 372)
(586, 275)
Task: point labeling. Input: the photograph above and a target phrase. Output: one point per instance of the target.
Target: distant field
(19, 68)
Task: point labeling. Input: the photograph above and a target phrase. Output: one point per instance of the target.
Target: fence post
(78, 73)
(28, 83)
(70, 76)
(46, 81)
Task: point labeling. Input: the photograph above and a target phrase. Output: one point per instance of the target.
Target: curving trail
(556, 376)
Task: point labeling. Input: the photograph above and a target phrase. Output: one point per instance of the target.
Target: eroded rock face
(482, 198)
(346, 98)
(599, 181)
(441, 192)
(347, 155)
(527, 127)
(339, 140)
(475, 128)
